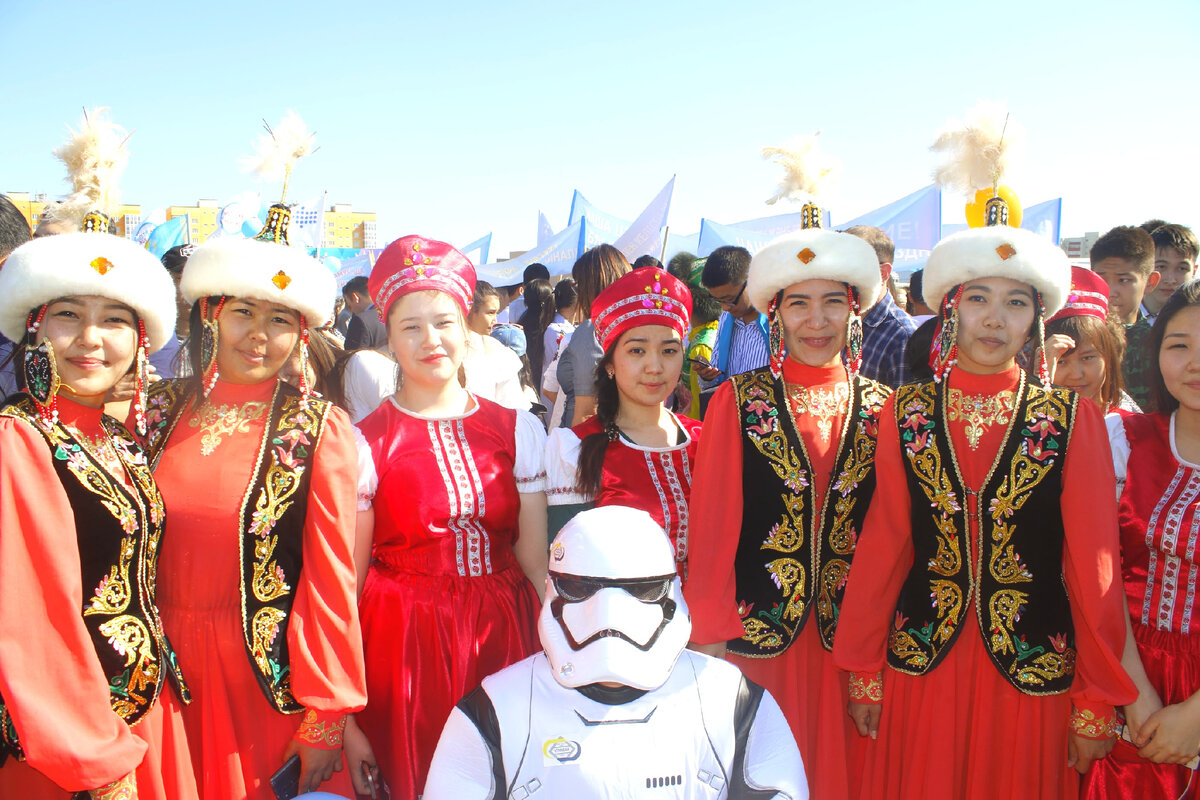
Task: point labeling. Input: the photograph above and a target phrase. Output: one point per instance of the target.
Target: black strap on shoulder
(748, 699)
(479, 709)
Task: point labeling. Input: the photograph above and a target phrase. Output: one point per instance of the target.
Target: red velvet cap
(414, 263)
(1088, 297)
(646, 296)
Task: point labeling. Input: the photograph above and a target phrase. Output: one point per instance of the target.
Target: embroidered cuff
(866, 687)
(321, 729)
(120, 789)
(1095, 724)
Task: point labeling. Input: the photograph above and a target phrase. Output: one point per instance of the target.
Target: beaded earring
(943, 355)
(305, 389)
(209, 335)
(854, 333)
(141, 381)
(39, 370)
(775, 343)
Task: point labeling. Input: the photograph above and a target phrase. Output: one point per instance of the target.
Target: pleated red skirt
(428, 641)
(1172, 662)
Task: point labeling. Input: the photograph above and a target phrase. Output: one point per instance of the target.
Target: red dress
(962, 730)
(445, 602)
(1160, 534)
(803, 680)
(50, 677)
(237, 736)
(657, 480)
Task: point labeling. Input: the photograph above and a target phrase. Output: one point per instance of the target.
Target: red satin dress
(237, 737)
(657, 480)
(962, 730)
(50, 677)
(803, 680)
(445, 603)
(1160, 534)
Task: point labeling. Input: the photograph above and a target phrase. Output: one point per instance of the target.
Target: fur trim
(998, 252)
(264, 271)
(806, 170)
(76, 264)
(830, 256)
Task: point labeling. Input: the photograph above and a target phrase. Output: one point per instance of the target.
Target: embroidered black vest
(1016, 581)
(119, 535)
(792, 554)
(272, 521)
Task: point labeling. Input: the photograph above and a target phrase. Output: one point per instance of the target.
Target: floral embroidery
(1089, 726)
(823, 403)
(979, 412)
(220, 421)
(866, 688)
(120, 789)
(323, 733)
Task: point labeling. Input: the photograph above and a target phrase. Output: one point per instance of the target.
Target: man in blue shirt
(742, 340)
(886, 327)
(14, 232)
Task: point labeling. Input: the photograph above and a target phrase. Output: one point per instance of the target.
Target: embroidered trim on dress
(866, 688)
(121, 789)
(325, 734)
(1086, 724)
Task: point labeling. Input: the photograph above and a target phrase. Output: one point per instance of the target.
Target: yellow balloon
(977, 209)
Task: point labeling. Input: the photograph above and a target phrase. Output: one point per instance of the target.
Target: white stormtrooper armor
(614, 707)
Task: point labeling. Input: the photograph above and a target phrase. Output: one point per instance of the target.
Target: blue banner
(483, 244)
(913, 222)
(644, 236)
(751, 234)
(682, 244)
(170, 234)
(1044, 219)
(601, 227)
(558, 254)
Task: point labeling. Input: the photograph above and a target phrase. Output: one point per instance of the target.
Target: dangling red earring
(40, 371)
(141, 381)
(775, 338)
(854, 333)
(1043, 367)
(305, 389)
(943, 354)
(209, 335)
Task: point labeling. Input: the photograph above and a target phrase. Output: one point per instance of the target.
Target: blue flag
(751, 234)
(601, 227)
(170, 234)
(1044, 219)
(644, 235)
(483, 244)
(545, 232)
(558, 254)
(914, 223)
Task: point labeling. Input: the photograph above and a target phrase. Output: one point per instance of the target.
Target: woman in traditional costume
(633, 452)
(90, 688)
(1159, 511)
(782, 483)
(987, 578)
(451, 549)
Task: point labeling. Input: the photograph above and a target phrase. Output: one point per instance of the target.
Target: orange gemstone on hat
(281, 280)
(101, 265)
(806, 255)
(1006, 251)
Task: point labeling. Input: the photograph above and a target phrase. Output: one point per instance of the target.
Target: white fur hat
(78, 264)
(998, 252)
(264, 271)
(814, 254)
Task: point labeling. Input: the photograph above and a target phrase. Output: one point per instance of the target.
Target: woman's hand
(1082, 751)
(1172, 733)
(360, 759)
(866, 717)
(1137, 712)
(317, 765)
(1057, 345)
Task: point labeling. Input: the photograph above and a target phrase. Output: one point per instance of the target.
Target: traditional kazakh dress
(445, 602)
(657, 480)
(89, 684)
(1160, 534)
(783, 481)
(258, 586)
(973, 545)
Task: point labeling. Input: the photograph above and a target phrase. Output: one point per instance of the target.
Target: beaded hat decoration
(646, 296)
(1088, 297)
(414, 263)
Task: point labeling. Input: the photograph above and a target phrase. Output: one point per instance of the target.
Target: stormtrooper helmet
(614, 608)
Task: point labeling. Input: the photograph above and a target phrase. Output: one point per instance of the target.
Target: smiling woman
(258, 479)
(81, 517)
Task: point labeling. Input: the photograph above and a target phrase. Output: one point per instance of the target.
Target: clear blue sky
(453, 119)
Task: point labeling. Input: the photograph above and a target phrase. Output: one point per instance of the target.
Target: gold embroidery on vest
(112, 595)
(823, 403)
(979, 412)
(129, 638)
(220, 421)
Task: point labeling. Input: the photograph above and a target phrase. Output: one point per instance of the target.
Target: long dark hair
(539, 313)
(1185, 296)
(595, 445)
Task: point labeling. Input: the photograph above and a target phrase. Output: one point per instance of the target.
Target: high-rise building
(345, 227)
(202, 218)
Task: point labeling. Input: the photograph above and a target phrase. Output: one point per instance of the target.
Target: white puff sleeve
(562, 468)
(368, 479)
(1120, 448)
(530, 466)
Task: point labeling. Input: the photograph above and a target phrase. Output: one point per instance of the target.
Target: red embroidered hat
(646, 296)
(414, 263)
(1088, 297)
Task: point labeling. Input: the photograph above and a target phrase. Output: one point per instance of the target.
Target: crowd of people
(452, 539)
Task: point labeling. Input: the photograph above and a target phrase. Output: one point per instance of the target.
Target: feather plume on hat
(278, 150)
(95, 157)
(977, 150)
(806, 170)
